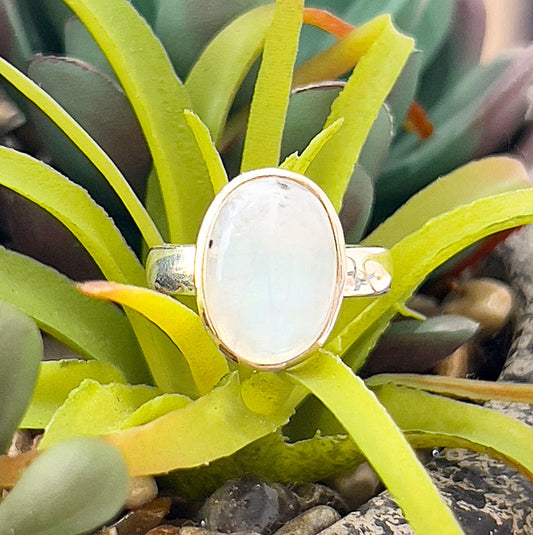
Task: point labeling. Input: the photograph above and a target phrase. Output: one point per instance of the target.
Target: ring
(269, 269)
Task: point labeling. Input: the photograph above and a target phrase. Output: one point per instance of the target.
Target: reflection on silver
(170, 270)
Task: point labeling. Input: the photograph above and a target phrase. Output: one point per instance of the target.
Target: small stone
(356, 486)
(142, 490)
(313, 494)
(269, 257)
(310, 522)
(248, 504)
(139, 521)
(488, 301)
(21, 443)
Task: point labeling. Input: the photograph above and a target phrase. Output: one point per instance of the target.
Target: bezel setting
(202, 259)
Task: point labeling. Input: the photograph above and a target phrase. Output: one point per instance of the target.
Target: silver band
(170, 270)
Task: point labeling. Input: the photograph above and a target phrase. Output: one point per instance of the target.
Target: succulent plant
(74, 487)
(156, 377)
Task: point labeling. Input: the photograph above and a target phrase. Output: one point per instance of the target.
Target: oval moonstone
(270, 263)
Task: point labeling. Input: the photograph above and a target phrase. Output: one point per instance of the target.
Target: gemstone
(270, 267)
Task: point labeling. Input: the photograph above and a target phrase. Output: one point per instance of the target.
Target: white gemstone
(270, 269)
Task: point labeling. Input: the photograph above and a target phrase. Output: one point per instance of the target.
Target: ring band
(270, 268)
(170, 270)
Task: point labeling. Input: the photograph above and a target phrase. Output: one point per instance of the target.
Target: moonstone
(270, 265)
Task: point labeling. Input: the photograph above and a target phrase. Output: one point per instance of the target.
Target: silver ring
(269, 269)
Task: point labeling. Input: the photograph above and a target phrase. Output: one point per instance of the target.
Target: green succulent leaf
(472, 389)
(57, 378)
(154, 408)
(93, 409)
(159, 99)
(237, 46)
(428, 23)
(417, 346)
(71, 205)
(357, 205)
(462, 130)
(19, 46)
(99, 106)
(212, 159)
(471, 182)
(222, 414)
(185, 28)
(379, 439)
(417, 222)
(299, 164)
(53, 302)
(182, 325)
(80, 44)
(87, 145)
(262, 144)
(308, 460)
(21, 350)
(359, 104)
(72, 488)
(487, 430)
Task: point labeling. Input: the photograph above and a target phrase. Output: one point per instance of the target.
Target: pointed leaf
(262, 143)
(182, 325)
(359, 104)
(412, 346)
(213, 89)
(94, 330)
(21, 350)
(159, 100)
(378, 438)
(213, 162)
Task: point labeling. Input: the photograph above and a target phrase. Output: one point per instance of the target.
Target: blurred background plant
(444, 111)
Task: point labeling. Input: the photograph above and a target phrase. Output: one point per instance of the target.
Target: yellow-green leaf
(214, 426)
(359, 103)
(379, 439)
(182, 325)
(159, 100)
(93, 409)
(262, 143)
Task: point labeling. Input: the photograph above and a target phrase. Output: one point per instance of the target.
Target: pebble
(310, 522)
(249, 504)
(141, 520)
(312, 494)
(488, 301)
(141, 490)
(356, 486)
